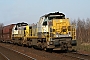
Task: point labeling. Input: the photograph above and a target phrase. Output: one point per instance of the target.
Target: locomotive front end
(58, 31)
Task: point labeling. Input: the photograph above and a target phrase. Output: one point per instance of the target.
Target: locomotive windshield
(56, 17)
(22, 24)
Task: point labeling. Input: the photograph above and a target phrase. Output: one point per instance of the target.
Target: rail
(78, 55)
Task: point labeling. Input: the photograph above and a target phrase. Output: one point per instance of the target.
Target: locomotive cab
(18, 32)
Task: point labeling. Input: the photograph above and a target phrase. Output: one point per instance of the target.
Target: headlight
(51, 42)
(69, 35)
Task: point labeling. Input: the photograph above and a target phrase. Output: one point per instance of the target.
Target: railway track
(48, 55)
(39, 55)
(77, 56)
(10, 54)
(3, 57)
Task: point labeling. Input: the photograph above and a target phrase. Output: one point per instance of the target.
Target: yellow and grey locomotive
(53, 31)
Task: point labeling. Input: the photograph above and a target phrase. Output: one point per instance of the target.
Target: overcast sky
(13, 11)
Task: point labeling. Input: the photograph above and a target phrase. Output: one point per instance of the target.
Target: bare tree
(1, 26)
(82, 30)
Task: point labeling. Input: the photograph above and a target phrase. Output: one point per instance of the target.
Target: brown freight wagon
(7, 32)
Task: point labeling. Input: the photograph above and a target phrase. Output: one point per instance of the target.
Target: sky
(13, 11)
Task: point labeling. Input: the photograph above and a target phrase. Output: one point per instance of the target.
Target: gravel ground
(37, 54)
(2, 57)
(11, 55)
(84, 52)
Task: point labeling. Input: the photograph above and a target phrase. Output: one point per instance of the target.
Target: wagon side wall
(7, 32)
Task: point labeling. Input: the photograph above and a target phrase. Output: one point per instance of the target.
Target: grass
(83, 46)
